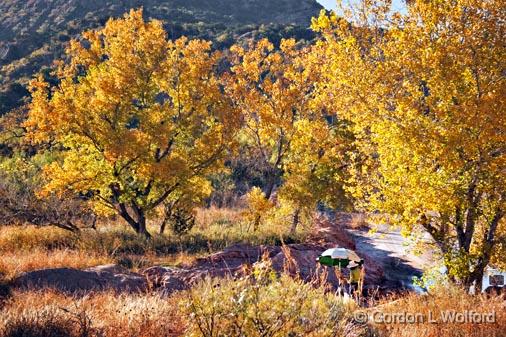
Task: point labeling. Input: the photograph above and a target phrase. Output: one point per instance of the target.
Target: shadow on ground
(388, 249)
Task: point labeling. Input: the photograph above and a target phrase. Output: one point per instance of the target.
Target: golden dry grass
(289, 307)
(13, 263)
(254, 306)
(27, 248)
(23, 238)
(47, 314)
(105, 314)
(206, 217)
(443, 301)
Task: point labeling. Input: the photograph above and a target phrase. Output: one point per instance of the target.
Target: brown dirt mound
(298, 260)
(108, 277)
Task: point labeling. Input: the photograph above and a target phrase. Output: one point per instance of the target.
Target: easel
(361, 283)
(342, 283)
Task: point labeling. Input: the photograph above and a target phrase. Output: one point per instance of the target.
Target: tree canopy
(139, 118)
(400, 113)
(274, 89)
(425, 91)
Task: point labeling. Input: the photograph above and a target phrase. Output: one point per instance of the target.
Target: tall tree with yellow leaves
(274, 90)
(140, 119)
(426, 91)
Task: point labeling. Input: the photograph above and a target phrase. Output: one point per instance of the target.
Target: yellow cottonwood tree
(426, 93)
(273, 88)
(139, 118)
(315, 167)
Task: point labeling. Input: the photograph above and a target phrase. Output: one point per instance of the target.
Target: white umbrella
(338, 257)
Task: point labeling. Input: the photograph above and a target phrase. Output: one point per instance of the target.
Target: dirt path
(388, 248)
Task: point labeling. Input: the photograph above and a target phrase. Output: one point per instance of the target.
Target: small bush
(266, 305)
(181, 222)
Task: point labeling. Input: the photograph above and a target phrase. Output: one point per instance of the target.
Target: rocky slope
(34, 32)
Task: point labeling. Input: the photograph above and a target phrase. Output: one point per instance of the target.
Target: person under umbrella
(356, 277)
(341, 258)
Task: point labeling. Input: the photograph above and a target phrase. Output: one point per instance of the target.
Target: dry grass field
(263, 304)
(27, 248)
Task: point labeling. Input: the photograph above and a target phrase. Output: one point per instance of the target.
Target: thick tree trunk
(295, 221)
(489, 243)
(269, 188)
(477, 276)
(137, 222)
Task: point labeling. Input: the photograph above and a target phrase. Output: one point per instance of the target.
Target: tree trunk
(256, 223)
(489, 243)
(477, 276)
(295, 221)
(168, 212)
(137, 222)
(269, 188)
(143, 229)
(163, 225)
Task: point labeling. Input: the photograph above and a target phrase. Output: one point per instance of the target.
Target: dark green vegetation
(33, 33)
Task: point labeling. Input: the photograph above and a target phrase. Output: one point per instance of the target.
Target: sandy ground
(392, 251)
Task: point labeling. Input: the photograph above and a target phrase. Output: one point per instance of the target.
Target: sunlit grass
(26, 248)
(442, 301)
(13, 263)
(48, 313)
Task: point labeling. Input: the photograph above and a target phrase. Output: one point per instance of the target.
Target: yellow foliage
(272, 88)
(425, 92)
(258, 205)
(141, 118)
(283, 121)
